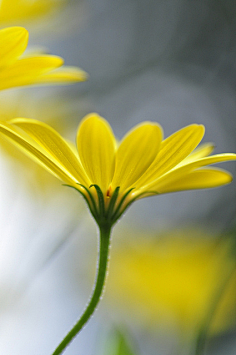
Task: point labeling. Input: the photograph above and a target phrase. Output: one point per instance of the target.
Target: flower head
(112, 175)
(32, 69)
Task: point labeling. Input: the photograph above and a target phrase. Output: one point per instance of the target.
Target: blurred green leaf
(119, 343)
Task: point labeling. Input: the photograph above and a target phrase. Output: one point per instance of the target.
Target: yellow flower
(35, 69)
(17, 10)
(111, 176)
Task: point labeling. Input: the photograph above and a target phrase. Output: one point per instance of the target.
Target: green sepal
(116, 214)
(92, 200)
(100, 200)
(112, 202)
(102, 214)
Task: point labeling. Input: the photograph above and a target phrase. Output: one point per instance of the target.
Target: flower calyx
(106, 208)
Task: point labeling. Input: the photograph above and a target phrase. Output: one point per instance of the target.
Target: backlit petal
(96, 146)
(199, 179)
(35, 153)
(54, 145)
(63, 75)
(181, 170)
(136, 152)
(27, 71)
(17, 11)
(200, 152)
(172, 151)
(13, 43)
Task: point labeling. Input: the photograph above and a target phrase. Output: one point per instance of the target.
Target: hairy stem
(105, 232)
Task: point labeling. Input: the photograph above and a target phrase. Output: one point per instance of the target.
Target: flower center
(108, 194)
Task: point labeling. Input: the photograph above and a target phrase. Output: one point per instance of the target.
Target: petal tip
(93, 117)
(18, 31)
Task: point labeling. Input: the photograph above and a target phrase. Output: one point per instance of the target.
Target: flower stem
(105, 232)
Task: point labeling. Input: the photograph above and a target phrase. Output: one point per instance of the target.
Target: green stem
(105, 232)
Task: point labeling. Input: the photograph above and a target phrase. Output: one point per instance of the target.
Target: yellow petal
(200, 152)
(181, 170)
(96, 146)
(13, 43)
(54, 145)
(63, 75)
(136, 152)
(217, 158)
(28, 70)
(199, 179)
(172, 151)
(21, 10)
(35, 153)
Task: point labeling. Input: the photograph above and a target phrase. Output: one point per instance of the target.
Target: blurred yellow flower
(111, 176)
(172, 280)
(17, 10)
(35, 69)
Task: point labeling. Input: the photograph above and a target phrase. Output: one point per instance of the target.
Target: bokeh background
(172, 260)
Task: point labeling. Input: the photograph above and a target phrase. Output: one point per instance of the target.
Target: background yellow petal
(96, 146)
(199, 179)
(136, 152)
(13, 43)
(35, 153)
(63, 75)
(20, 10)
(27, 70)
(54, 145)
(172, 151)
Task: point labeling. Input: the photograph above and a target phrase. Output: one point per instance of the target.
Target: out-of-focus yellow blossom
(172, 280)
(16, 70)
(14, 11)
(50, 18)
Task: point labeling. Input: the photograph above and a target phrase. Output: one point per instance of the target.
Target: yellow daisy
(112, 175)
(16, 70)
